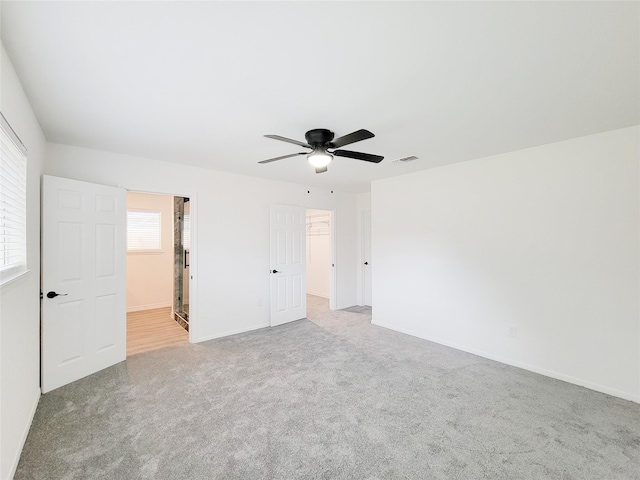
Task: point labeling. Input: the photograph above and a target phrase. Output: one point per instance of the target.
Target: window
(13, 204)
(143, 231)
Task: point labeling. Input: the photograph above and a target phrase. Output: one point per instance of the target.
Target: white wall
(19, 300)
(318, 253)
(230, 231)
(150, 275)
(544, 240)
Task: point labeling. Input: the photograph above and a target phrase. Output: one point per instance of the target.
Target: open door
(288, 277)
(83, 279)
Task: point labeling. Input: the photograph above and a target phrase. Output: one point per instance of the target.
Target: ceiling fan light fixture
(319, 158)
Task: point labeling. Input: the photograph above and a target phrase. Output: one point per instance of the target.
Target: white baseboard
(317, 294)
(25, 432)
(525, 366)
(342, 306)
(139, 308)
(229, 333)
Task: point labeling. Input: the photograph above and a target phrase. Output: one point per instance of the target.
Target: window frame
(19, 164)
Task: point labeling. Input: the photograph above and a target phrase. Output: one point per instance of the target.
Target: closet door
(288, 264)
(366, 257)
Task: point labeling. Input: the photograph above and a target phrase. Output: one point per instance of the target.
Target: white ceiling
(200, 83)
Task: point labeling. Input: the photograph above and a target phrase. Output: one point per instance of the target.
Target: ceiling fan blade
(289, 140)
(367, 157)
(321, 169)
(351, 138)
(284, 156)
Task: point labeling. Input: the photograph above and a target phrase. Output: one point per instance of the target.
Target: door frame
(193, 258)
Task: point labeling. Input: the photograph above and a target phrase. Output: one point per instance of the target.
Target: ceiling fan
(323, 147)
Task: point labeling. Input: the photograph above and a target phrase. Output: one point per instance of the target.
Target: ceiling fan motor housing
(319, 137)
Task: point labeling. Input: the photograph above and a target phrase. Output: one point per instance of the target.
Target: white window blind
(13, 204)
(143, 230)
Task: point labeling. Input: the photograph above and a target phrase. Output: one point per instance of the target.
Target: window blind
(13, 204)
(143, 230)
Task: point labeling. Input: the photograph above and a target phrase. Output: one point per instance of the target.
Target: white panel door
(83, 279)
(288, 264)
(366, 260)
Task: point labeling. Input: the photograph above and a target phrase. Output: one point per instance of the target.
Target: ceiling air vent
(407, 159)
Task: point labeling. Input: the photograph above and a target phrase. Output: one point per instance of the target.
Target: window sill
(13, 278)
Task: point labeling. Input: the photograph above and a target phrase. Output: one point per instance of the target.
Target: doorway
(85, 245)
(302, 260)
(318, 258)
(155, 272)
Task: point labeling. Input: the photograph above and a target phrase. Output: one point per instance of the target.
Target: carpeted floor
(328, 397)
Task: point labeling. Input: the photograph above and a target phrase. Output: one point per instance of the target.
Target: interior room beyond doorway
(318, 237)
(154, 242)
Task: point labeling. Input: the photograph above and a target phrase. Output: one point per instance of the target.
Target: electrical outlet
(260, 302)
(512, 331)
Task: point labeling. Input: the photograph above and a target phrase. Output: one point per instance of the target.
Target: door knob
(53, 294)
(366, 263)
(274, 271)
